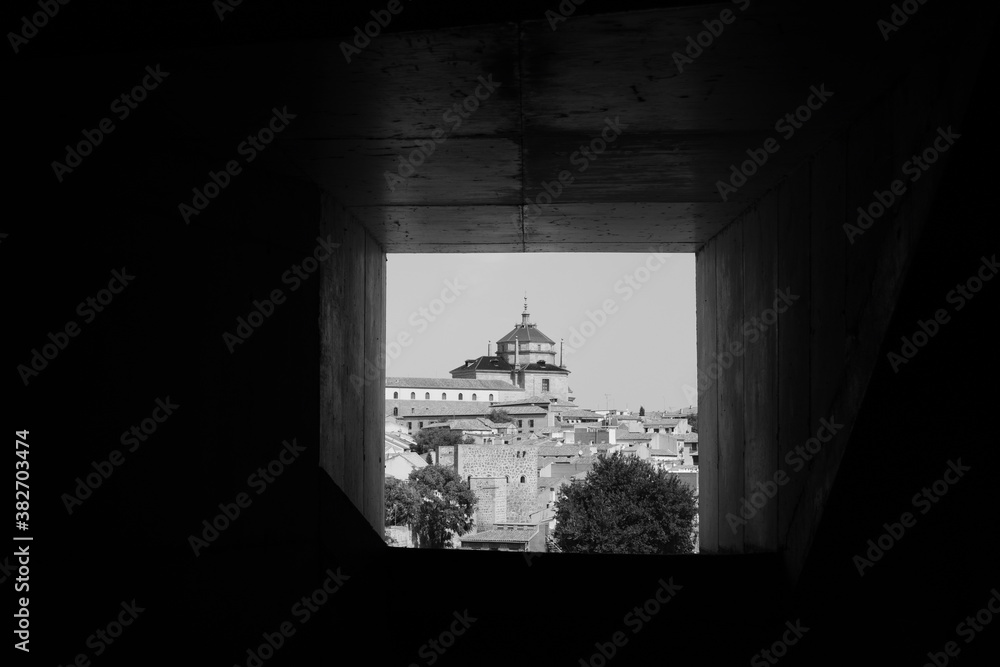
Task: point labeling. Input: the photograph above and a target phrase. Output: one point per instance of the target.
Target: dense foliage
(432, 438)
(446, 505)
(499, 416)
(625, 506)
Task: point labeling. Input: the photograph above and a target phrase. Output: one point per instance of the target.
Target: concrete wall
(762, 395)
(352, 368)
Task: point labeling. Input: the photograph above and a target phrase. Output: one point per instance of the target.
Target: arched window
(395, 394)
(444, 396)
(473, 397)
(395, 412)
(413, 395)
(459, 395)
(522, 479)
(491, 397)
(427, 396)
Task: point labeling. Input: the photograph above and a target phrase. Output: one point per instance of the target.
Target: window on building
(473, 397)
(395, 394)
(412, 410)
(522, 479)
(520, 423)
(413, 395)
(420, 424)
(409, 425)
(545, 385)
(444, 396)
(491, 397)
(459, 395)
(531, 422)
(395, 412)
(427, 396)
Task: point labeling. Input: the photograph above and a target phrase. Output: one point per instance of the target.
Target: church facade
(525, 365)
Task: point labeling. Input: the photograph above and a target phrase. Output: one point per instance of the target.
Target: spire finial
(525, 302)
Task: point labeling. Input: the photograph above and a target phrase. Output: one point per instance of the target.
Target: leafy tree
(447, 505)
(625, 505)
(401, 502)
(429, 458)
(499, 415)
(468, 440)
(432, 438)
(642, 411)
(693, 421)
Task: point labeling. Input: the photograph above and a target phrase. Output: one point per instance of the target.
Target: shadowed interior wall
(764, 390)
(352, 370)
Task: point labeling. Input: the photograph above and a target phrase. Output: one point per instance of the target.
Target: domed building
(523, 373)
(526, 358)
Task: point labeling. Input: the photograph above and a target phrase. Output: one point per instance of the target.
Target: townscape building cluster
(516, 468)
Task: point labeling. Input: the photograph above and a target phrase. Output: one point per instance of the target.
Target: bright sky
(639, 351)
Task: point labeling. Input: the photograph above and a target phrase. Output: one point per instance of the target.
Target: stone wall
(491, 493)
(507, 462)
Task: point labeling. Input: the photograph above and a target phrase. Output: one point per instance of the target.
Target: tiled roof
(526, 334)
(528, 400)
(485, 363)
(687, 437)
(646, 437)
(578, 413)
(469, 425)
(502, 535)
(542, 367)
(413, 459)
(445, 411)
(525, 410)
(392, 438)
(661, 422)
(559, 450)
(450, 383)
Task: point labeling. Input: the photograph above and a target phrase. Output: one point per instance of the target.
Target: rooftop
(450, 383)
(503, 534)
